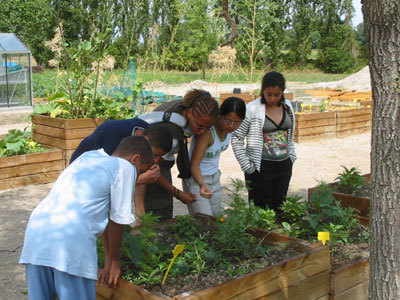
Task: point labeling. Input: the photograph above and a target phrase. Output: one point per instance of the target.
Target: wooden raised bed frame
(310, 126)
(354, 121)
(34, 168)
(247, 97)
(351, 281)
(65, 134)
(305, 276)
(315, 125)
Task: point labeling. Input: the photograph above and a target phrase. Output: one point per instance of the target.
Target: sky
(358, 17)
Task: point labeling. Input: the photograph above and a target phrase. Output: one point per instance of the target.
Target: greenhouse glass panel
(15, 72)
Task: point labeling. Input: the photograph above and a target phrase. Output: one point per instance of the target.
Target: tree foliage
(337, 49)
(32, 21)
(176, 34)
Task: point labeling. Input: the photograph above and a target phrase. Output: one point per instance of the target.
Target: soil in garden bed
(214, 273)
(220, 273)
(342, 255)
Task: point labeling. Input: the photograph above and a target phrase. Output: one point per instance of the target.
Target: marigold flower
(221, 219)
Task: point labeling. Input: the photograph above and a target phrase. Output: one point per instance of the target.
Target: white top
(63, 228)
(210, 162)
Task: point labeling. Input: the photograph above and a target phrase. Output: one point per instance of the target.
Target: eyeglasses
(200, 127)
(232, 123)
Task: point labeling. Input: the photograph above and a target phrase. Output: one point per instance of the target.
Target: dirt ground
(317, 160)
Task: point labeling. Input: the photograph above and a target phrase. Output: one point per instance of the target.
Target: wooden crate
(305, 276)
(32, 168)
(65, 134)
(314, 125)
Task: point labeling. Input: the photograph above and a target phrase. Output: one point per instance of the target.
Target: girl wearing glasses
(194, 115)
(204, 154)
(268, 157)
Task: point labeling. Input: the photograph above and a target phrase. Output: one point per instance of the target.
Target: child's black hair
(159, 136)
(233, 104)
(136, 145)
(271, 79)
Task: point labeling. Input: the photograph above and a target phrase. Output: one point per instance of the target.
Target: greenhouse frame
(15, 72)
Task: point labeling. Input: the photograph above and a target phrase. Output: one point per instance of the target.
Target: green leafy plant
(249, 215)
(323, 106)
(322, 212)
(144, 253)
(80, 70)
(350, 180)
(210, 245)
(18, 142)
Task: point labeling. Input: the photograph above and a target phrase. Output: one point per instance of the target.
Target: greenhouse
(15, 72)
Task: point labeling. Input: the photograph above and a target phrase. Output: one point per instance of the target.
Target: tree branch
(225, 13)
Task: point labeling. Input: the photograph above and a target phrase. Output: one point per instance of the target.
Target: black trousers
(268, 188)
(157, 199)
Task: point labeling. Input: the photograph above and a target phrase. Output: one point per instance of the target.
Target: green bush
(335, 55)
(336, 60)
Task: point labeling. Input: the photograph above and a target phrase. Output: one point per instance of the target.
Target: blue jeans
(212, 206)
(46, 283)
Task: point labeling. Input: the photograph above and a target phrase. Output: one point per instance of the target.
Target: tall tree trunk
(382, 21)
(203, 70)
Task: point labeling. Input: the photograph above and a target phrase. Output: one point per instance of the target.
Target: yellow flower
(32, 144)
(222, 219)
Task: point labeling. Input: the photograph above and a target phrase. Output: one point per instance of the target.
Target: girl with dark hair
(204, 154)
(268, 157)
(194, 115)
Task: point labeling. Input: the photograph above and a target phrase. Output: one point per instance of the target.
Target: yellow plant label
(324, 236)
(177, 250)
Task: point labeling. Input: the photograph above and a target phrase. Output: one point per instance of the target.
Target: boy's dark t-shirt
(108, 136)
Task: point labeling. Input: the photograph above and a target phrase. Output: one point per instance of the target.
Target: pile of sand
(359, 81)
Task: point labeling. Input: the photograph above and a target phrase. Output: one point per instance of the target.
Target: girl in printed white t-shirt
(204, 155)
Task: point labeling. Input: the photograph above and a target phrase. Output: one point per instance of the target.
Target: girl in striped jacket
(268, 157)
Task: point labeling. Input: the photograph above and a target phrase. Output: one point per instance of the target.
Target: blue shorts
(46, 283)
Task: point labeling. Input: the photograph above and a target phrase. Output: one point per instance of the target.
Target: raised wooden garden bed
(314, 125)
(341, 123)
(353, 121)
(20, 170)
(362, 204)
(65, 134)
(305, 276)
(248, 97)
(350, 281)
(245, 96)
